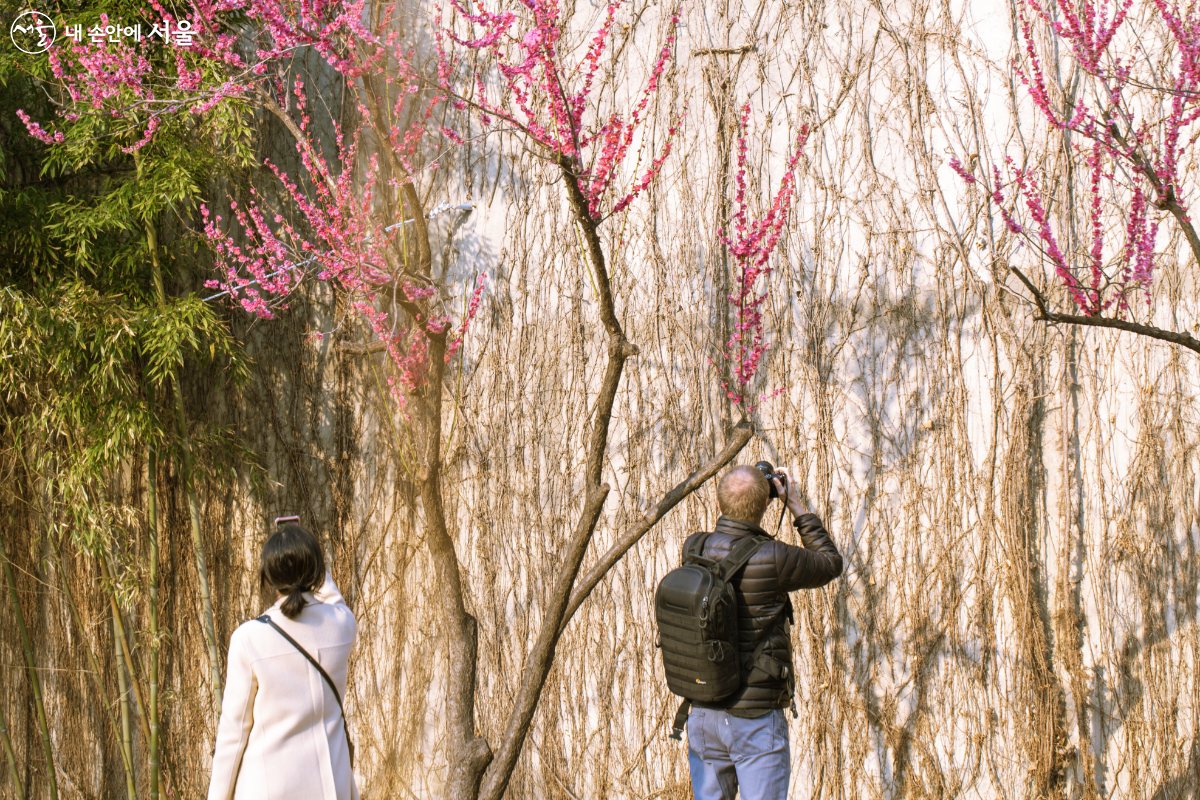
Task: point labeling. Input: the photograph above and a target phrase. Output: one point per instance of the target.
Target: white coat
(280, 734)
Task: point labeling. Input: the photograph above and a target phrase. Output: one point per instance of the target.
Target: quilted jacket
(762, 588)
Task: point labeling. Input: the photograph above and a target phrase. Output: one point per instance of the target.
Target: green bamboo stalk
(123, 685)
(12, 758)
(210, 635)
(152, 490)
(109, 575)
(51, 775)
(104, 701)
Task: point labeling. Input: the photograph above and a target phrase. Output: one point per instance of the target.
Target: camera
(768, 471)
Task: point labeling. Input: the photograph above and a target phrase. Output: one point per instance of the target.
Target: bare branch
(742, 433)
(1046, 315)
(722, 51)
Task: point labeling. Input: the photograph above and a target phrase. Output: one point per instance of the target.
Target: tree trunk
(541, 657)
(39, 706)
(469, 754)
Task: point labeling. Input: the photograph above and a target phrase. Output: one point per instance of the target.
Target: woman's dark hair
(292, 563)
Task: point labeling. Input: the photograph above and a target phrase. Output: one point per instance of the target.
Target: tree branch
(742, 433)
(595, 252)
(1166, 195)
(722, 51)
(541, 656)
(1046, 315)
(360, 349)
(266, 101)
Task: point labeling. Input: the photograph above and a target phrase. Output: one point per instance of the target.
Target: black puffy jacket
(761, 588)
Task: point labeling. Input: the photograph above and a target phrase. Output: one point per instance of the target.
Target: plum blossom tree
(1128, 116)
(365, 233)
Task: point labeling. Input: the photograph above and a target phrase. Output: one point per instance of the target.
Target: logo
(32, 32)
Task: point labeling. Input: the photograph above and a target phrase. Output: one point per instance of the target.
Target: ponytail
(294, 604)
(292, 564)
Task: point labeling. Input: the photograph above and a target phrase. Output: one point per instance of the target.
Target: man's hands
(790, 497)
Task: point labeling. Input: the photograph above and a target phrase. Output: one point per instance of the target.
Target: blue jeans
(725, 752)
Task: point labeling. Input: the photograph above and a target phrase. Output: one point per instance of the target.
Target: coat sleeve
(237, 717)
(813, 565)
(328, 593)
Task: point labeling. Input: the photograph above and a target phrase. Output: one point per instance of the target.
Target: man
(743, 740)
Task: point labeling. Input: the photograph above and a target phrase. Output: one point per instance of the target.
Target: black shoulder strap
(681, 717)
(696, 548)
(739, 554)
(734, 560)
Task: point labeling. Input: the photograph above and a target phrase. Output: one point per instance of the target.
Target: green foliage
(86, 352)
(71, 409)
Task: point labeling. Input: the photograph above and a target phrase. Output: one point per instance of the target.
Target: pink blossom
(751, 246)
(552, 101)
(1131, 161)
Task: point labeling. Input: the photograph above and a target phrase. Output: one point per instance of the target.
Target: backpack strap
(696, 549)
(735, 559)
(337, 695)
(739, 554)
(680, 723)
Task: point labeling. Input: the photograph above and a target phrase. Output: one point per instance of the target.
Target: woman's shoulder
(246, 638)
(332, 617)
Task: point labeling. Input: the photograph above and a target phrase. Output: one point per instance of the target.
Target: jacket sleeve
(237, 717)
(813, 565)
(328, 593)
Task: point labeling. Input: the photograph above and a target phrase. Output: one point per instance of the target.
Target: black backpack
(696, 610)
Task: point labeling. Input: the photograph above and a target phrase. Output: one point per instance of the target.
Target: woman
(281, 733)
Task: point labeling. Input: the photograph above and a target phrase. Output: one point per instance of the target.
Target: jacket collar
(736, 527)
(309, 600)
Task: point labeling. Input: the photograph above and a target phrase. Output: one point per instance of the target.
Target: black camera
(768, 471)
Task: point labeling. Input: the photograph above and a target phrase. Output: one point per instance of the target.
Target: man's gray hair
(743, 494)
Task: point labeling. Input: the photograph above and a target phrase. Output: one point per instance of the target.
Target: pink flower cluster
(552, 101)
(121, 80)
(1129, 141)
(344, 241)
(346, 245)
(472, 310)
(751, 244)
